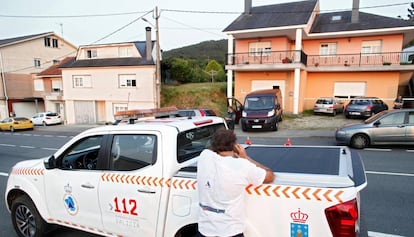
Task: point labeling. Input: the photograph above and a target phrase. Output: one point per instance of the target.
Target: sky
(181, 22)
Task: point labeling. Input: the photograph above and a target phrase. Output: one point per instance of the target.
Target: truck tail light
(342, 219)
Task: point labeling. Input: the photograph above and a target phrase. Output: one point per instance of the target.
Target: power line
(73, 16)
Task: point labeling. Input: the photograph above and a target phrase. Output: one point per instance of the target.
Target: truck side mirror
(50, 163)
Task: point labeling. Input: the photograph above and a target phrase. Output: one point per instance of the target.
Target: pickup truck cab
(140, 180)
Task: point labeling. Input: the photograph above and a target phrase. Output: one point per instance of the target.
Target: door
(237, 108)
(409, 134)
(71, 189)
(389, 129)
(130, 191)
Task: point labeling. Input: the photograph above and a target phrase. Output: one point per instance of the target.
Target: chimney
(148, 47)
(247, 6)
(355, 11)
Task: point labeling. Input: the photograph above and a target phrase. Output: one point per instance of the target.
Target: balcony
(291, 59)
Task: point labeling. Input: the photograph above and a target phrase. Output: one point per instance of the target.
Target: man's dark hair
(223, 140)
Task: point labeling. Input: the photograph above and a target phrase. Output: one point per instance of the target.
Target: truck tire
(243, 126)
(27, 221)
(275, 126)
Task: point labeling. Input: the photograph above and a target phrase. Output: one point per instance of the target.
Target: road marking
(7, 145)
(389, 173)
(49, 149)
(409, 150)
(31, 147)
(4, 174)
(377, 234)
(377, 149)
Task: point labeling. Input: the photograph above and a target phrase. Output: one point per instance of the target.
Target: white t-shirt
(221, 183)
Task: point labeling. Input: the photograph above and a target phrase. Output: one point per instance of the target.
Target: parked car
(386, 127)
(364, 107)
(328, 105)
(196, 112)
(15, 123)
(46, 118)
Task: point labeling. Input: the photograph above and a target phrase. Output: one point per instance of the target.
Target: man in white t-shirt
(223, 173)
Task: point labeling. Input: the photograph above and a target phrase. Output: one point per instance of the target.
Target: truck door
(71, 189)
(130, 191)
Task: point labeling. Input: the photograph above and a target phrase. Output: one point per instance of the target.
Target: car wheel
(26, 219)
(275, 126)
(359, 141)
(44, 123)
(334, 113)
(12, 129)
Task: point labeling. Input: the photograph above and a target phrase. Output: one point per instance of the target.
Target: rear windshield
(324, 101)
(360, 102)
(259, 102)
(192, 142)
(51, 114)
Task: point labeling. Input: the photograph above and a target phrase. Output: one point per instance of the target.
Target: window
(192, 142)
(132, 152)
(38, 85)
(54, 43)
(127, 81)
(260, 48)
(82, 81)
(37, 63)
(47, 42)
(56, 85)
(371, 46)
(92, 53)
(347, 90)
(125, 52)
(120, 107)
(56, 61)
(328, 49)
(393, 119)
(83, 155)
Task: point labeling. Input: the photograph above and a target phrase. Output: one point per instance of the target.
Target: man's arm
(241, 153)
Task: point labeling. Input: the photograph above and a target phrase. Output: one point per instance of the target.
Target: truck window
(192, 142)
(83, 154)
(132, 152)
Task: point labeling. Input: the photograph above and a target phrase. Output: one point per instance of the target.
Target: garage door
(269, 84)
(85, 112)
(26, 109)
(349, 89)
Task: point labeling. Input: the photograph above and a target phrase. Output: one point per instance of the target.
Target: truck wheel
(359, 141)
(27, 221)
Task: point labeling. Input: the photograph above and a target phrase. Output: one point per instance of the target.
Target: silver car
(328, 105)
(392, 127)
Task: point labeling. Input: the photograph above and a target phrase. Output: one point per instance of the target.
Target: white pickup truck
(140, 180)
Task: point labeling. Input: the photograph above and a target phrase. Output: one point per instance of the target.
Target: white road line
(377, 149)
(4, 174)
(389, 173)
(49, 149)
(377, 234)
(7, 145)
(31, 147)
(409, 150)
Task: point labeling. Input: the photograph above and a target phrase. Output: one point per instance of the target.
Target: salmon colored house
(309, 54)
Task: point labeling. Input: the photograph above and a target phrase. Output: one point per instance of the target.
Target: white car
(46, 118)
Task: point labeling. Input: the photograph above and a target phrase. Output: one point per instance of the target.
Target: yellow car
(15, 123)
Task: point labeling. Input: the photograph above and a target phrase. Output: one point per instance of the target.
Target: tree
(215, 71)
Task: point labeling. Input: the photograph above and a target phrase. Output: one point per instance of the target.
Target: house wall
(378, 84)
(105, 90)
(278, 44)
(108, 51)
(19, 58)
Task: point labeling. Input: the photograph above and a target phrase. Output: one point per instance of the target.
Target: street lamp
(158, 60)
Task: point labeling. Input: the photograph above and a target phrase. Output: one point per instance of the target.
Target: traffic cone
(288, 143)
(248, 142)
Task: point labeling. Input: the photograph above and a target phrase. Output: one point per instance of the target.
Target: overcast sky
(181, 22)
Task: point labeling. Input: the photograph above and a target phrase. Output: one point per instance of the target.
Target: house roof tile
(277, 15)
(54, 69)
(9, 41)
(324, 23)
(107, 62)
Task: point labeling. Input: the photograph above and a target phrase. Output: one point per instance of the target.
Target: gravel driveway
(316, 122)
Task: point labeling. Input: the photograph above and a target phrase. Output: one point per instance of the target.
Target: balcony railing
(269, 57)
(296, 56)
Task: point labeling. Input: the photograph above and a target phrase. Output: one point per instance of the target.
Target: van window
(259, 103)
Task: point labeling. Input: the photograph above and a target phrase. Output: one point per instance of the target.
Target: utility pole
(158, 60)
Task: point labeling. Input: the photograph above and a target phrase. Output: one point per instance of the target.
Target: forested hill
(204, 51)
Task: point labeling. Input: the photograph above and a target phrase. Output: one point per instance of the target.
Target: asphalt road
(387, 201)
